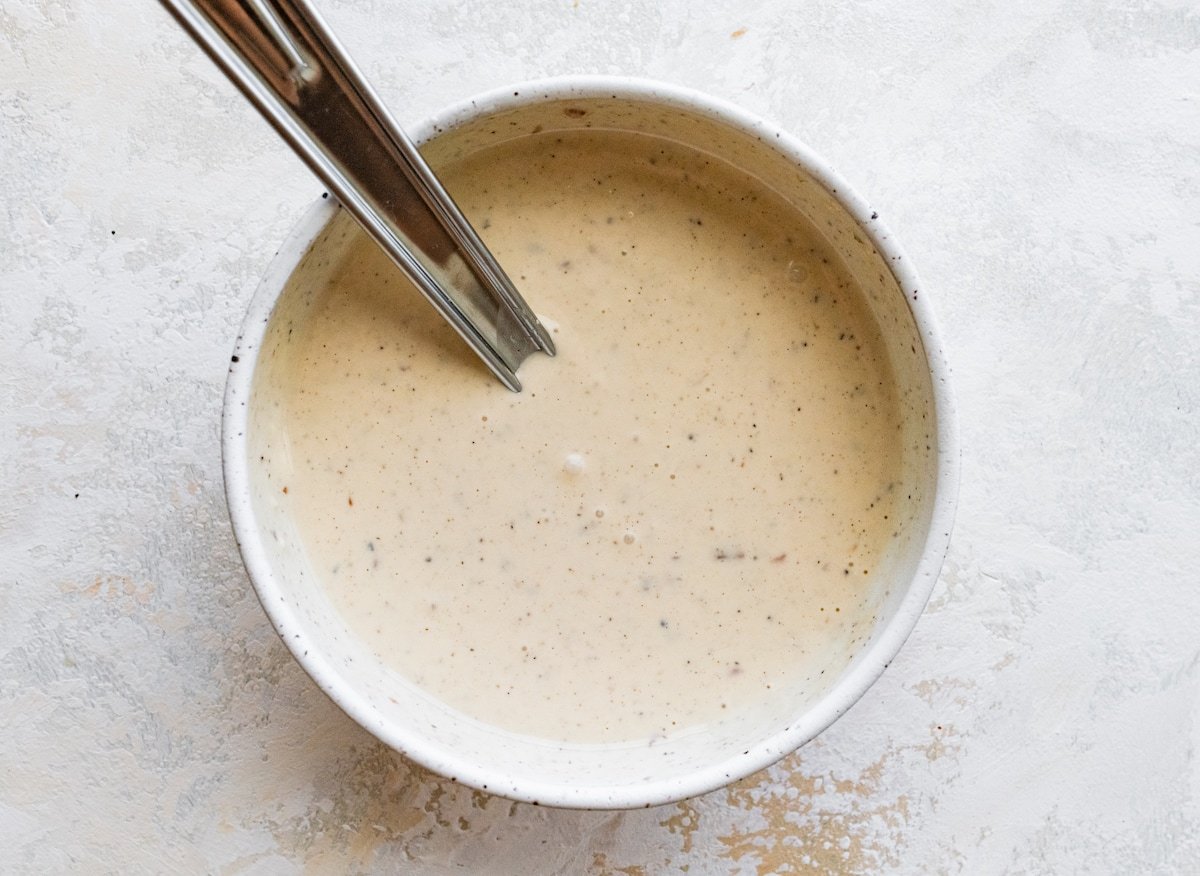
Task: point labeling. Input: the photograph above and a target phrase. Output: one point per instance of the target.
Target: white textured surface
(1040, 163)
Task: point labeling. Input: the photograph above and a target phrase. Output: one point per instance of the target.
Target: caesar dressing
(684, 511)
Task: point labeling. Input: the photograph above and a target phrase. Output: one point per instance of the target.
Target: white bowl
(612, 775)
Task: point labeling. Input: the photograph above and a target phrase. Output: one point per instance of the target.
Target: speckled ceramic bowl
(612, 775)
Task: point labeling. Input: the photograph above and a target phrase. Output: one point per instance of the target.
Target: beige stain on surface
(816, 824)
(120, 589)
(685, 822)
(601, 867)
(371, 805)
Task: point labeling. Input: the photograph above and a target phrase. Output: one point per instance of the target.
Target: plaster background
(1041, 163)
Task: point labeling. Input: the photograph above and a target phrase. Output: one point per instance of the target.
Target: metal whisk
(283, 58)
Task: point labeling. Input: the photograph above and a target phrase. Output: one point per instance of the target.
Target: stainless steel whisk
(284, 59)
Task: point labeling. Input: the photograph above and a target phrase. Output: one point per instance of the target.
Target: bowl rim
(429, 753)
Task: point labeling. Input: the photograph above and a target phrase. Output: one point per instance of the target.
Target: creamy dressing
(683, 512)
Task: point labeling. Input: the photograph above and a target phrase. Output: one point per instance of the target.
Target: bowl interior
(546, 771)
